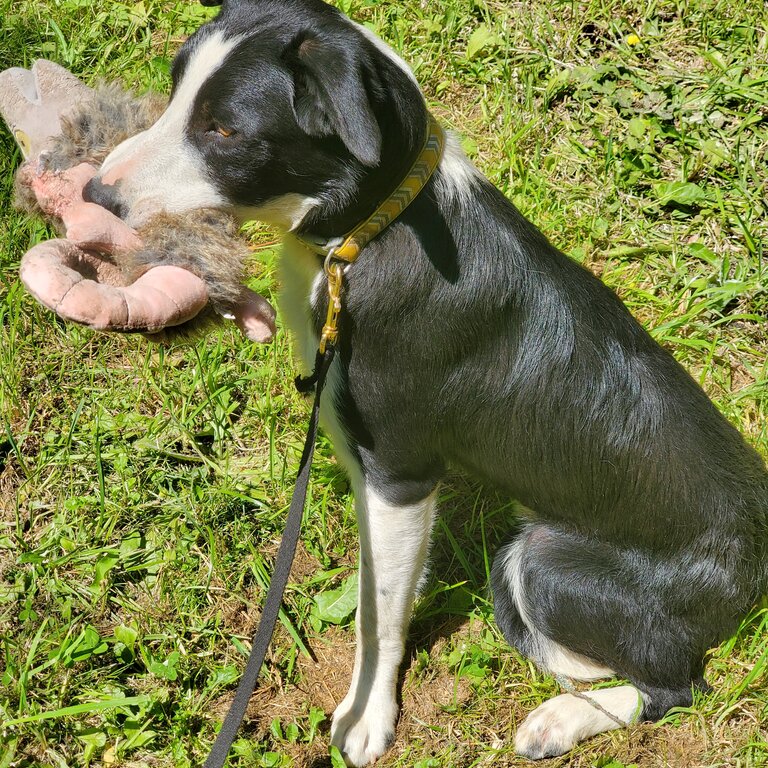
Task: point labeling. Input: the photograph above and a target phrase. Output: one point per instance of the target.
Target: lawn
(143, 488)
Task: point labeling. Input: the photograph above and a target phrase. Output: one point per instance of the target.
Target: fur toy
(175, 274)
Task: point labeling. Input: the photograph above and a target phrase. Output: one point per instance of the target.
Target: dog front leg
(394, 540)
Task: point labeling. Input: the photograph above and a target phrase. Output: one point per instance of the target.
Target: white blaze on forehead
(159, 169)
(207, 57)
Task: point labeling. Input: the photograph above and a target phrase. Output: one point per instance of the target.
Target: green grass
(143, 489)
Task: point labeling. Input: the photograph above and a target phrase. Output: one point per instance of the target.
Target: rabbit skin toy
(171, 277)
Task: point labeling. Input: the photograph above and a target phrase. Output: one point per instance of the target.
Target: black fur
(520, 367)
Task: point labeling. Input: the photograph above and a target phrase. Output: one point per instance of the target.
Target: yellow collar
(349, 246)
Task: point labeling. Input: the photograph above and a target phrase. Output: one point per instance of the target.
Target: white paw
(552, 729)
(556, 726)
(363, 733)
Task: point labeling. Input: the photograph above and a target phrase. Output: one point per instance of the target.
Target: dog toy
(172, 276)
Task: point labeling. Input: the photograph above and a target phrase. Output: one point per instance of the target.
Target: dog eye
(221, 130)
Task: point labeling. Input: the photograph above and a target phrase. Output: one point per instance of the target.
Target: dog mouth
(137, 182)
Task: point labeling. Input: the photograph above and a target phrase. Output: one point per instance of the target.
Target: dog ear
(330, 97)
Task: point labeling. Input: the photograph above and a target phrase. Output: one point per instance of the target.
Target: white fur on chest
(302, 282)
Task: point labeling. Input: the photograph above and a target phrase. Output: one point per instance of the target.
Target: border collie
(466, 340)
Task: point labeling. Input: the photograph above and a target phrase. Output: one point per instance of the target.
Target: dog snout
(105, 195)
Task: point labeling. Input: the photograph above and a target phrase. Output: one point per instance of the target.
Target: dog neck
(347, 246)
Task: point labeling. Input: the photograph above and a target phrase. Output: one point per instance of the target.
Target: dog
(466, 340)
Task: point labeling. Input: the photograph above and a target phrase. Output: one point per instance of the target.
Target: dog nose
(105, 195)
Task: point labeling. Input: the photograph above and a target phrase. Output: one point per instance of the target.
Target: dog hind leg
(513, 616)
(557, 725)
(554, 589)
(394, 541)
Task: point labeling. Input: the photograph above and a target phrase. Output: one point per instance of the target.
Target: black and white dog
(467, 340)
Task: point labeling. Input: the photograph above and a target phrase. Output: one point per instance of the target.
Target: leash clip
(334, 273)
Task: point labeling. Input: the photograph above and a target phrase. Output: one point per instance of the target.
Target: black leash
(261, 639)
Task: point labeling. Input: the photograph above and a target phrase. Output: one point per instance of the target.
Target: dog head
(285, 111)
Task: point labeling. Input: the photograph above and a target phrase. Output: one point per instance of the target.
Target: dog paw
(550, 730)
(363, 733)
(559, 724)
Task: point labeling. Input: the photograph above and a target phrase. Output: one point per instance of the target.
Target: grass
(142, 489)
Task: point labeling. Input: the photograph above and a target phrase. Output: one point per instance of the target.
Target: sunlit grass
(142, 489)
